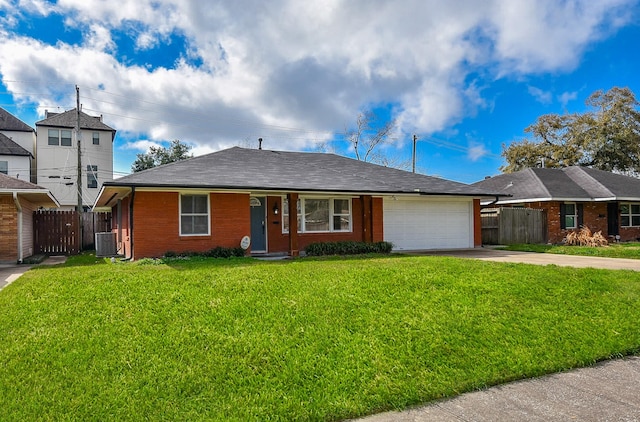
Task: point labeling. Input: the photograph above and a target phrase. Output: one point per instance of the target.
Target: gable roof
(34, 193)
(8, 147)
(566, 184)
(68, 119)
(9, 122)
(252, 169)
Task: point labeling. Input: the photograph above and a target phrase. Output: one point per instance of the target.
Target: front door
(258, 224)
(612, 219)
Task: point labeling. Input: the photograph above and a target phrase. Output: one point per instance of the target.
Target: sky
(465, 76)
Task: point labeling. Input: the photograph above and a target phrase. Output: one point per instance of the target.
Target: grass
(614, 250)
(310, 339)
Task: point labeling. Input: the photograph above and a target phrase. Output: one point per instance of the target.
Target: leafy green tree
(158, 156)
(606, 137)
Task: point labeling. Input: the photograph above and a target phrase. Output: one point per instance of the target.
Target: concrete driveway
(11, 272)
(489, 254)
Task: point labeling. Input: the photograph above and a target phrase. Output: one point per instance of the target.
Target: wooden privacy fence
(57, 232)
(506, 226)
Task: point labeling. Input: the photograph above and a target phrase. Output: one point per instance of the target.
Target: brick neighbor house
(284, 201)
(18, 200)
(573, 197)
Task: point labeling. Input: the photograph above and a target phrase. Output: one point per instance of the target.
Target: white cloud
(565, 97)
(544, 97)
(142, 145)
(476, 151)
(292, 72)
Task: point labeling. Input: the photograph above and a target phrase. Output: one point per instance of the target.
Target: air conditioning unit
(106, 245)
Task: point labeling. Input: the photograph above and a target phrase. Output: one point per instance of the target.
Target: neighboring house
(24, 136)
(18, 200)
(285, 201)
(57, 159)
(573, 197)
(14, 160)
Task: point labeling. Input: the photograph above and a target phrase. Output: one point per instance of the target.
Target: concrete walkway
(11, 272)
(605, 392)
(488, 254)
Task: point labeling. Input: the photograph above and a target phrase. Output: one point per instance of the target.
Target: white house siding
(57, 166)
(18, 166)
(27, 227)
(26, 140)
(428, 223)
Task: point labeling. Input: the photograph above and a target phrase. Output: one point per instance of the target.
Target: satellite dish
(245, 242)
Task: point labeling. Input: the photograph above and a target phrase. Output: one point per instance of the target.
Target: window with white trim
(4, 167)
(59, 137)
(320, 215)
(194, 215)
(92, 176)
(95, 136)
(570, 215)
(630, 215)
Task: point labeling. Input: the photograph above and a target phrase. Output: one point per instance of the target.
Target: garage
(428, 223)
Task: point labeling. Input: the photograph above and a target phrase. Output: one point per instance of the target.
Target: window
(65, 138)
(4, 167)
(92, 177)
(60, 137)
(53, 137)
(630, 215)
(341, 215)
(285, 215)
(320, 215)
(96, 138)
(194, 215)
(570, 215)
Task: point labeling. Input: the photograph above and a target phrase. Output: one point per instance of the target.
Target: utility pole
(79, 180)
(415, 139)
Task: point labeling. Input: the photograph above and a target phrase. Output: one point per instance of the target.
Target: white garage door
(412, 224)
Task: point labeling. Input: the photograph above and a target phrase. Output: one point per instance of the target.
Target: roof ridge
(540, 183)
(582, 170)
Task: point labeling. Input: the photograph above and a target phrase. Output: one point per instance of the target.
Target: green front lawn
(310, 339)
(614, 250)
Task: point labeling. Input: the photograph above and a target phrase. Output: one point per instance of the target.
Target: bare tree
(365, 138)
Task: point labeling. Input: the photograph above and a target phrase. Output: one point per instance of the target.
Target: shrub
(585, 237)
(347, 248)
(217, 252)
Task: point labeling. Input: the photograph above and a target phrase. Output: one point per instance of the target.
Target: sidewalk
(607, 391)
(11, 272)
(489, 254)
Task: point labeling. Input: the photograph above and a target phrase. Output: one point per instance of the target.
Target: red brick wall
(477, 224)
(378, 220)
(594, 217)
(279, 242)
(157, 230)
(8, 229)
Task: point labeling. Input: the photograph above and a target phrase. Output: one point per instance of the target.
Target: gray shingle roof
(239, 168)
(11, 183)
(68, 119)
(8, 147)
(570, 183)
(9, 122)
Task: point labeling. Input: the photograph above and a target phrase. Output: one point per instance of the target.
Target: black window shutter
(580, 214)
(563, 214)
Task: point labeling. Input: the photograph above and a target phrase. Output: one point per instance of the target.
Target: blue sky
(465, 76)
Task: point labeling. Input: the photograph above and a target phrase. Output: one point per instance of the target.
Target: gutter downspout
(493, 202)
(19, 209)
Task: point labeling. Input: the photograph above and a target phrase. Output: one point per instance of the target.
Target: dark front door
(613, 226)
(258, 224)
